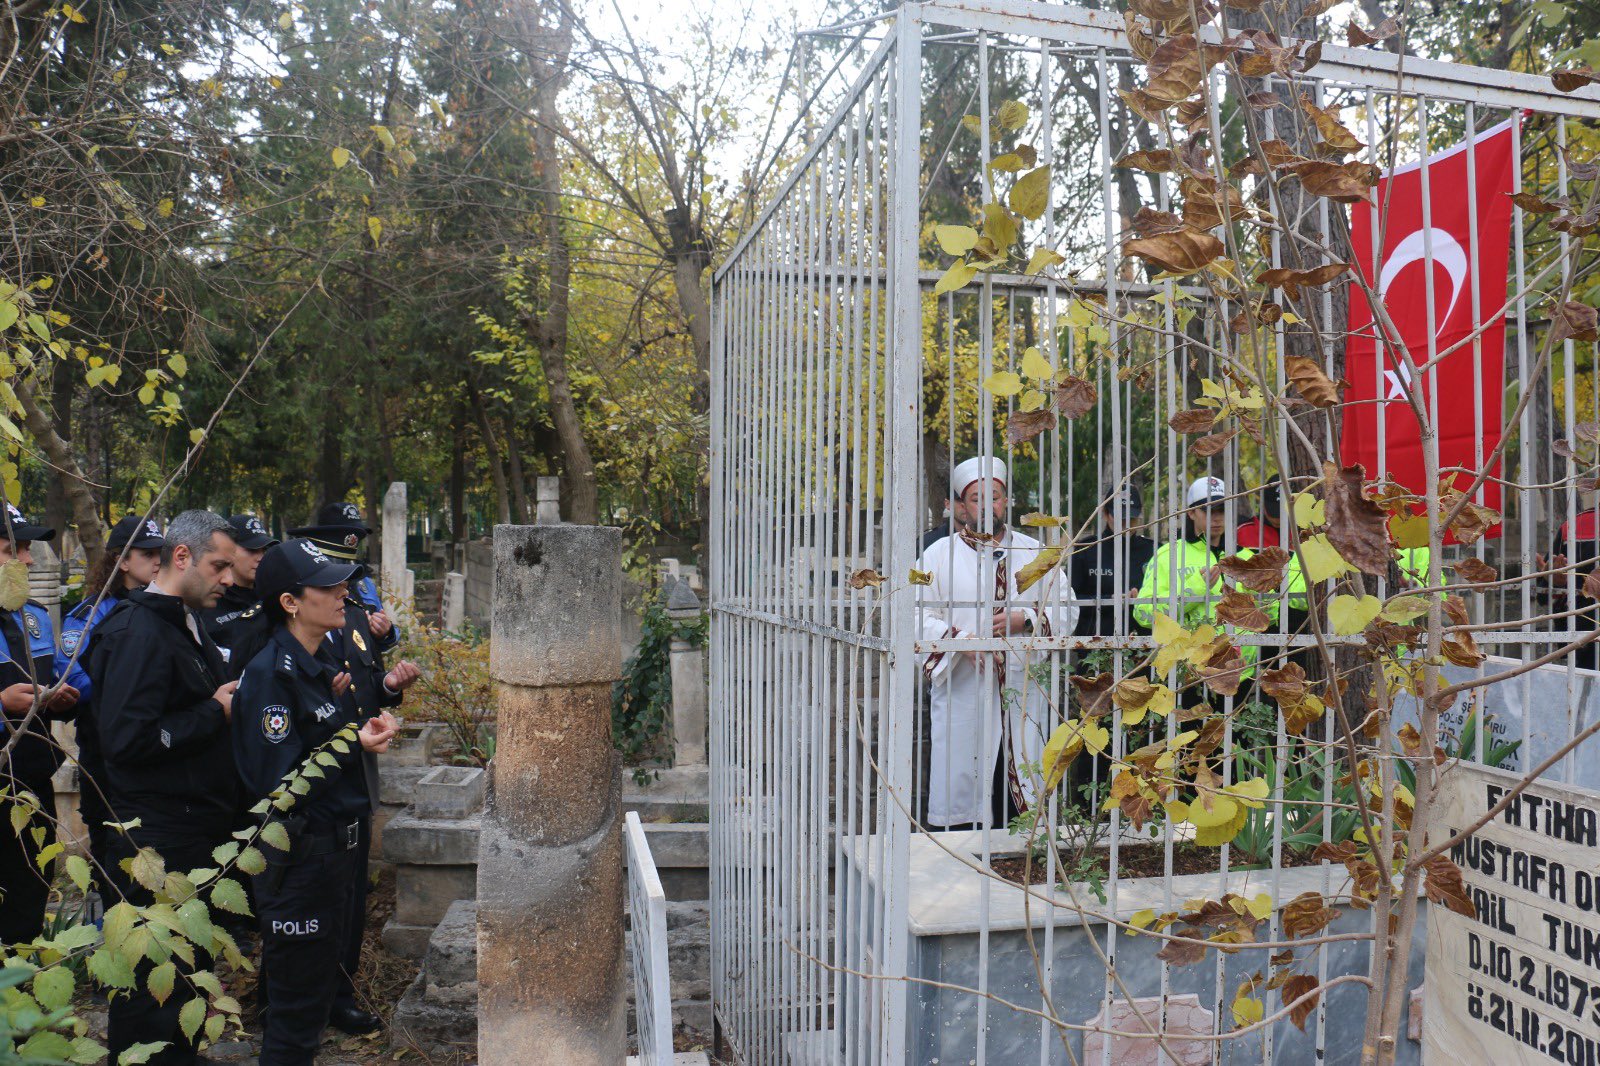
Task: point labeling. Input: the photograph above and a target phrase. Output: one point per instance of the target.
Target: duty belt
(328, 840)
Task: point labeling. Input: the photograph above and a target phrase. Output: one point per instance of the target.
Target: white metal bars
(842, 399)
(647, 934)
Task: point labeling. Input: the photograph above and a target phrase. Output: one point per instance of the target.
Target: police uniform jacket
(163, 736)
(283, 711)
(237, 621)
(30, 658)
(1099, 571)
(72, 662)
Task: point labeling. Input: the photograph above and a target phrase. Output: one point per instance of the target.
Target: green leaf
(8, 314)
(196, 920)
(39, 327)
(139, 1054)
(87, 1051)
(251, 861)
(956, 240)
(110, 967)
(13, 594)
(1031, 194)
(161, 981)
(275, 834)
(179, 364)
(223, 854)
(214, 1027)
(146, 866)
(74, 937)
(78, 870)
(53, 987)
(46, 1047)
(229, 895)
(191, 1017)
(1350, 615)
(118, 923)
(1403, 609)
(207, 981)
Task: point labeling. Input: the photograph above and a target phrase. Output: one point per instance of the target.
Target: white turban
(975, 468)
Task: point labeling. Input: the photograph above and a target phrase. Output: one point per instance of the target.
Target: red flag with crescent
(1459, 247)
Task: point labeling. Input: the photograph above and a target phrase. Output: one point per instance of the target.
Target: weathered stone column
(392, 573)
(547, 496)
(550, 859)
(453, 611)
(688, 668)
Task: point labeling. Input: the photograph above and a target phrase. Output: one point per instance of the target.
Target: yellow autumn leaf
(383, 135)
(1221, 811)
(164, 208)
(195, 435)
(1036, 366)
(37, 201)
(1030, 400)
(1067, 741)
(1012, 115)
(1403, 609)
(1350, 615)
(1259, 907)
(1247, 1010)
(374, 227)
(955, 278)
(1309, 510)
(1323, 561)
(169, 49)
(73, 13)
(1042, 258)
(1045, 561)
(956, 240)
(1251, 792)
(1142, 919)
(285, 21)
(275, 81)
(438, 112)
(1031, 194)
(341, 156)
(1002, 383)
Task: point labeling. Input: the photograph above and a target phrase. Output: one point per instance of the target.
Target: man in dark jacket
(234, 621)
(163, 696)
(28, 755)
(1113, 563)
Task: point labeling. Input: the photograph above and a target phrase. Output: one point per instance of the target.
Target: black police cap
(136, 530)
(337, 524)
(295, 564)
(248, 532)
(18, 528)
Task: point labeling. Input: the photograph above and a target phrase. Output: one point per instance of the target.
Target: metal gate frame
(803, 968)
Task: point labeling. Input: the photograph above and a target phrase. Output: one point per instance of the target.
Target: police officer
(27, 674)
(161, 705)
(1114, 563)
(339, 532)
(233, 622)
(291, 703)
(130, 561)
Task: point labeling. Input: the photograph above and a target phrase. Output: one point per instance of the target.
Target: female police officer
(291, 701)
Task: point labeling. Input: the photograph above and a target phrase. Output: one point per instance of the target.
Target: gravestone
(688, 667)
(1520, 979)
(547, 496)
(1184, 1014)
(393, 572)
(453, 613)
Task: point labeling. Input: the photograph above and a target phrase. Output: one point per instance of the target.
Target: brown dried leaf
(1580, 169)
(1279, 154)
(1307, 914)
(1160, 10)
(1344, 183)
(1181, 252)
(1094, 693)
(1175, 71)
(1535, 204)
(1443, 883)
(1357, 527)
(1591, 585)
(1287, 685)
(1213, 443)
(865, 579)
(1263, 101)
(1148, 222)
(1184, 950)
(1475, 571)
(1360, 38)
(1307, 377)
(1262, 572)
(1576, 321)
(1154, 161)
(1572, 80)
(1240, 609)
(1296, 987)
(1334, 134)
(1223, 673)
(1576, 225)
(1042, 563)
(1075, 396)
(1023, 426)
(1194, 420)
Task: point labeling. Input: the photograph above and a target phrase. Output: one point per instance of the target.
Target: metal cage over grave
(847, 927)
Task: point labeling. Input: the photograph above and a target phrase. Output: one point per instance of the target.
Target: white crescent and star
(1446, 252)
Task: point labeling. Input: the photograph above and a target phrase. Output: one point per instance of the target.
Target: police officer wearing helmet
(237, 623)
(130, 561)
(27, 674)
(292, 701)
(339, 532)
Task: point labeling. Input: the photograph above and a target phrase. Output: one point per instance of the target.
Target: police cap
(18, 528)
(248, 532)
(298, 563)
(136, 530)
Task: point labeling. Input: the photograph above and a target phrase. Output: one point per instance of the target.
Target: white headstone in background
(44, 580)
(547, 496)
(1559, 706)
(1520, 981)
(454, 610)
(392, 572)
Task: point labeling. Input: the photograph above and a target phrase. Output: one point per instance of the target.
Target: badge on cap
(32, 622)
(275, 724)
(350, 540)
(351, 513)
(313, 551)
(253, 524)
(151, 528)
(358, 640)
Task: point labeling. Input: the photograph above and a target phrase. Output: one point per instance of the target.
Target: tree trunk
(91, 533)
(491, 451)
(458, 478)
(519, 482)
(330, 463)
(57, 509)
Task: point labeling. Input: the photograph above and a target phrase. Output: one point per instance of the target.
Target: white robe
(965, 703)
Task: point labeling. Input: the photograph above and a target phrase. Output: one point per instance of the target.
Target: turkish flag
(1378, 422)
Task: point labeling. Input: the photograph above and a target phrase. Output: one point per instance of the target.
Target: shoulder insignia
(286, 663)
(31, 620)
(250, 611)
(69, 640)
(275, 724)
(358, 640)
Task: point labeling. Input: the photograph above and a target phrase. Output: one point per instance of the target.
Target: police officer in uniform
(161, 705)
(27, 672)
(339, 532)
(131, 559)
(232, 621)
(1102, 569)
(292, 700)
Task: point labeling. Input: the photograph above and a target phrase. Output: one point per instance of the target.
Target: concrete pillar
(550, 862)
(392, 573)
(688, 665)
(547, 495)
(453, 612)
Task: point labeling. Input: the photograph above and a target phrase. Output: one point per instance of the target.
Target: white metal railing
(841, 385)
(647, 933)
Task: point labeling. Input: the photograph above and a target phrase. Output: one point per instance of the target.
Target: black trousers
(24, 888)
(304, 909)
(135, 1017)
(355, 928)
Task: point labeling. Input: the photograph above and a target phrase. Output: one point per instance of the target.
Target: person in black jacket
(1114, 562)
(235, 621)
(162, 697)
(28, 754)
(294, 697)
